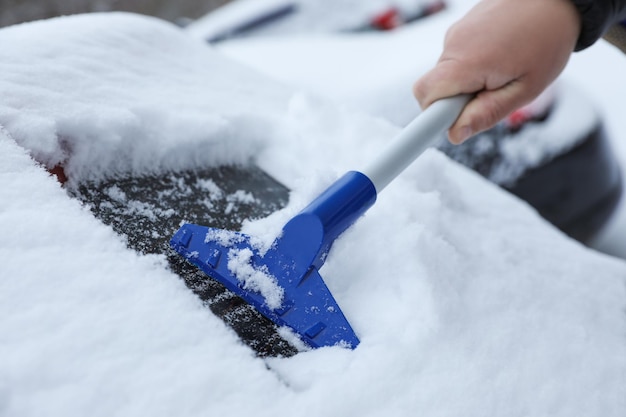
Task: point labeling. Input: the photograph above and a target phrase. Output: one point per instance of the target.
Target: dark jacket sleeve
(597, 16)
(616, 35)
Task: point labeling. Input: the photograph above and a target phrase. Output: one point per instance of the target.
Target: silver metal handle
(414, 139)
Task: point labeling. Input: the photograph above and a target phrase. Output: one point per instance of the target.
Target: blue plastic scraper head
(284, 283)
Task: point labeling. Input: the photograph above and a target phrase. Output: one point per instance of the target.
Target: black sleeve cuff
(596, 18)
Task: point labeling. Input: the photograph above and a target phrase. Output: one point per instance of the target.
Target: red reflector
(387, 20)
(58, 172)
(516, 119)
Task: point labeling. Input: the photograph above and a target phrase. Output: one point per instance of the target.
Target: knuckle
(492, 112)
(420, 90)
(454, 31)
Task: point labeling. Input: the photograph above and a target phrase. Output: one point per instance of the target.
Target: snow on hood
(465, 301)
(115, 92)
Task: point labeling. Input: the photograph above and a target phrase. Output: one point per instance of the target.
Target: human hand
(506, 52)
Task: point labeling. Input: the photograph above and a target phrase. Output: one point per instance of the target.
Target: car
(557, 158)
(249, 18)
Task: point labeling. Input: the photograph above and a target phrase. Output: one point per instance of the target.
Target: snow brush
(284, 283)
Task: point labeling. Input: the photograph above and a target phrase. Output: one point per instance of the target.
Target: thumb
(487, 108)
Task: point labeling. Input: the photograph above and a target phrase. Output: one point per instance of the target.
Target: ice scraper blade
(283, 283)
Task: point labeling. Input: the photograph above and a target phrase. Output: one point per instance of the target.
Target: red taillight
(517, 119)
(536, 110)
(387, 20)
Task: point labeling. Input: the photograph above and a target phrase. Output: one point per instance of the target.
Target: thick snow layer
(90, 328)
(117, 95)
(465, 301)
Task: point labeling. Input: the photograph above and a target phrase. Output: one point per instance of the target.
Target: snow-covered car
(463, 298)
(554, 153)
(244, 18)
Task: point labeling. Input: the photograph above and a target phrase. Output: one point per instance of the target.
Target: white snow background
(465, 301)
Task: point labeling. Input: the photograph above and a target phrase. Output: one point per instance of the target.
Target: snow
(91, 328)
(223, 237)
(237, 198)
(253, 278)
(466, 301)
(211, 188)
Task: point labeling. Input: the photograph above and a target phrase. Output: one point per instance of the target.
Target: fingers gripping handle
(414, 139)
